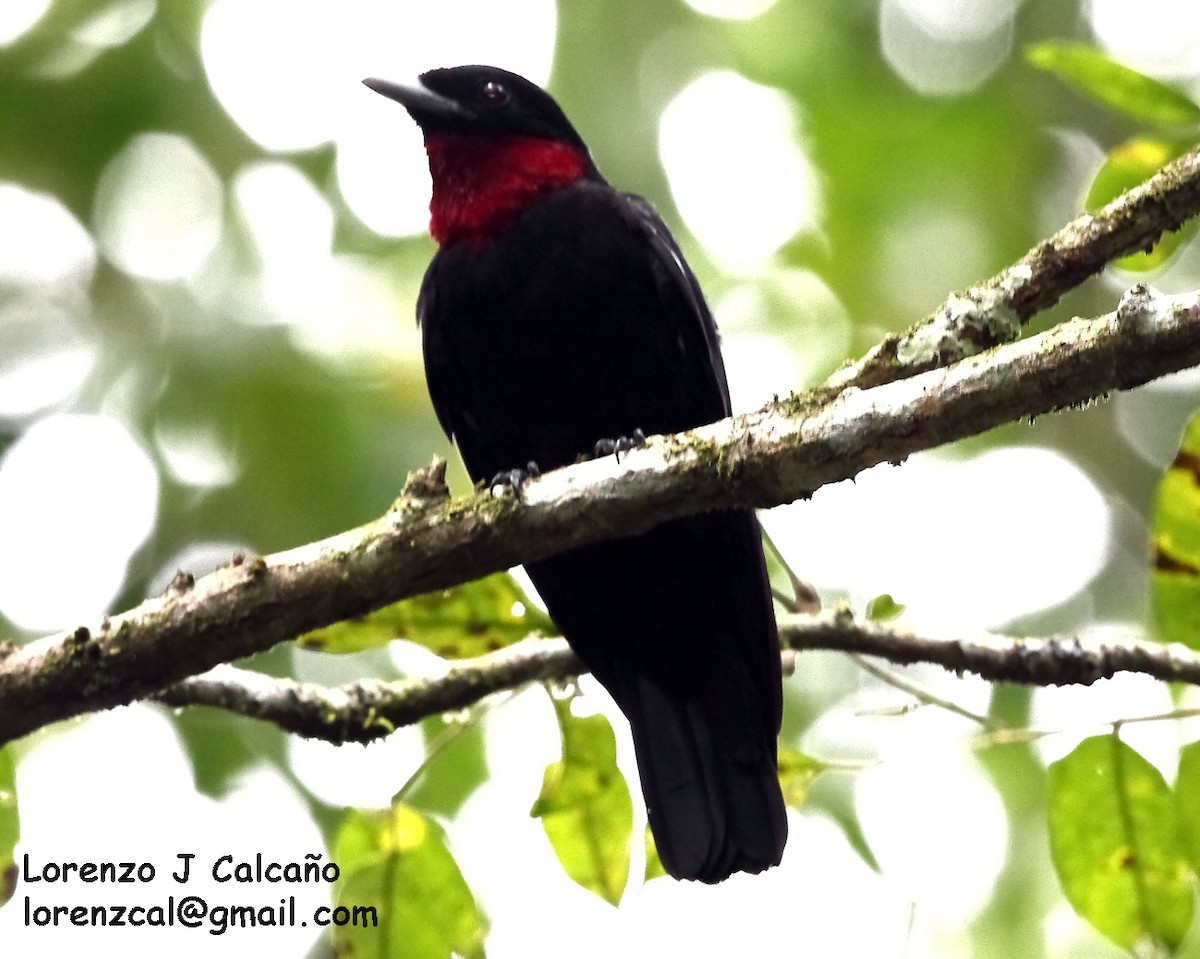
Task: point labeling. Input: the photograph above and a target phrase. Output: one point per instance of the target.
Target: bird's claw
(622, 444)
(514, 479)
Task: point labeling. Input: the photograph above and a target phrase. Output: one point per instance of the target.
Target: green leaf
(1125, 167)
(10, 824)
(797, 773)
(1175, 527)
(585, 806)
(883, 608)
(1117, 846)
(654, 866)
(1112, 85)
(459, 767)
(1187, 801)
(457, 623)
(397, 862)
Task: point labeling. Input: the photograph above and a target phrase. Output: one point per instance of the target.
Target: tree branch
(370, 709)
(994, 311)
(428, 541)
(1046, 661)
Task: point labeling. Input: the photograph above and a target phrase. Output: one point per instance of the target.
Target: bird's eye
(494, 93)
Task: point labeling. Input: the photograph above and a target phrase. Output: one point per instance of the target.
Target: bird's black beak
(421, 103)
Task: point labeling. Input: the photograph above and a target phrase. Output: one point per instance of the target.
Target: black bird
(559, 312)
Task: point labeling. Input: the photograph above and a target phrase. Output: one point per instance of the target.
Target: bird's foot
(514, 479)
(622, 444)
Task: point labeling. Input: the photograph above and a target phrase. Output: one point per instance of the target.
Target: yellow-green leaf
(585, 806)
(10, 824)
(1126, 166)
(1175, 526)
(1117, 846)
(457, 623)
(883, 607)
(1187, 801)
(797, 773)
(654, 866)
(1113, 85)
(398, 864)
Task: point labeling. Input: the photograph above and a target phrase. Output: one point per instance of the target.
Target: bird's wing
(676, 280)
(436, 361)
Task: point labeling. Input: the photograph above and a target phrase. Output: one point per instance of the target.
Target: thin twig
(370, 709)
(921, 695)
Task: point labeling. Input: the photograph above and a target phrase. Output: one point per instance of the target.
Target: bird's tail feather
(712, 792)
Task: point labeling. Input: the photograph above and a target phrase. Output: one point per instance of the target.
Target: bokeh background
(211, 241)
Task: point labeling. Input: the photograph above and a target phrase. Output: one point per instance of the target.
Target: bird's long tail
(677, 624)
(709, 779)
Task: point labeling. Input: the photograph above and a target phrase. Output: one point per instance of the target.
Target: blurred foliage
(1187, 799)
(797, 773)
(1136, 95)
(1175, 579)
(10, 824)
(1125, 845)
(1114, 85)
(468, 620)
(1127, 165)
(459, 767)
(920, 195)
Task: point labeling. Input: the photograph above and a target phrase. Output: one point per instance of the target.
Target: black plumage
(558, 312)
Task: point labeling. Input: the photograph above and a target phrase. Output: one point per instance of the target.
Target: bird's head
(496, 143)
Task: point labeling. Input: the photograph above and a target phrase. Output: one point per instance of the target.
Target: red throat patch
(481, 183)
